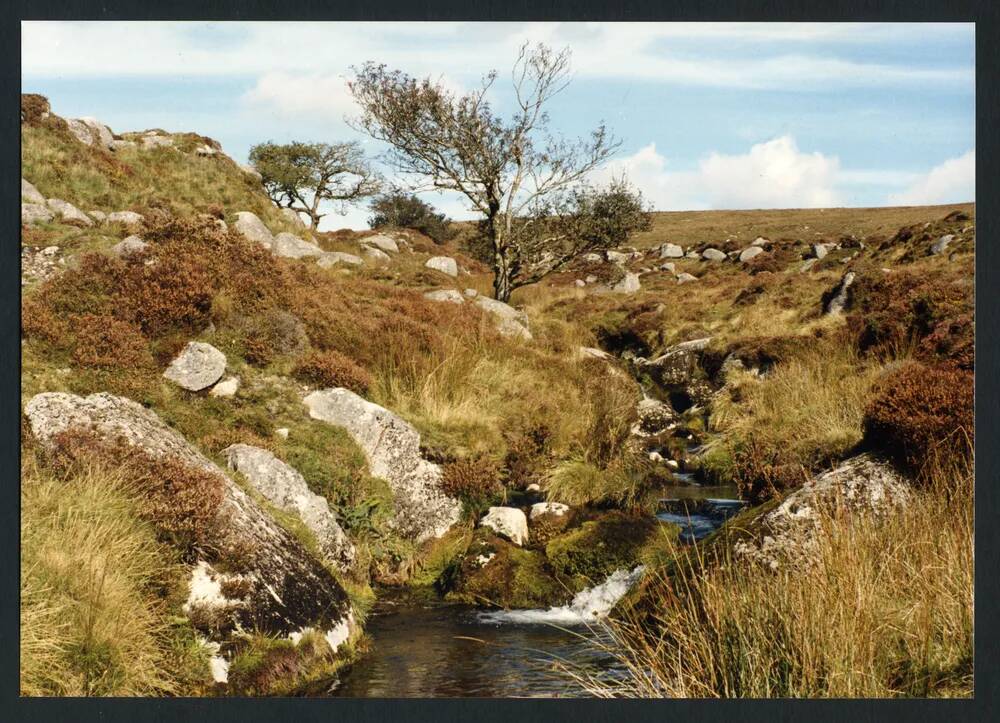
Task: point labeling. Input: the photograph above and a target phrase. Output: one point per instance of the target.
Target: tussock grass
(94, 620)
(886, 610)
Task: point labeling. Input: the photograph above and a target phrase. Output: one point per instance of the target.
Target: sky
(710, 115)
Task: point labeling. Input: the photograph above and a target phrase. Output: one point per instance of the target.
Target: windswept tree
(406, 210)
(524, 180)
(301, 176)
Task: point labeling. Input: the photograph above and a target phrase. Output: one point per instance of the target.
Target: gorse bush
(920, 415)
(402, 210)
(333, 369)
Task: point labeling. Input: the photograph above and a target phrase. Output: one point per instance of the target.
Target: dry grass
(93, 619)
(886, 610)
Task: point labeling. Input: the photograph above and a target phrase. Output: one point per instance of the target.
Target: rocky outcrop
(253, 228)
(68, 212)
(444, 264)
(293, 217)
(332, 258)
(91, 132)
(510, 321)
(30, 194)
(678, 372)
(281, 587)
(420, 509)
(197, 367)
(287, 490)
(507, 522)
(377, 256)
(382, 242)
(790, 533)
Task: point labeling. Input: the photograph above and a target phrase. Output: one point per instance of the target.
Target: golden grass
(886, 610)
(92, 621)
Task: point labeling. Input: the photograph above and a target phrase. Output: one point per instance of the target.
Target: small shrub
(402, 210)
(763, 472)
(921, 415)
(475, 481)
(333, 369)
(527, 454)
(33, 108)
(106, 342)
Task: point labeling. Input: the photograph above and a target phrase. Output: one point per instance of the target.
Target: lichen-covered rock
(629, 284)
(288, 245)
(293, 217)
(790, 533)
(617, 257)
(35, 213)
(392, 446)
(548, 508)
(287, 490)
(30, 194)
(819, 251)
(332, 258)
(941, 245)
(128, 218)
(507, 522)
(654, 417)
(510, 321)
(129, 245)
(444, 264)
(451, 295)
(253, 228)
(68, 212)
(496, 573)
(197, 367)
(225, 388)
(375, 255)
(98, 216)
(713, 255)
(383, 242)
(678, 371)
(282, 588)
(91, 132)
(671, 251)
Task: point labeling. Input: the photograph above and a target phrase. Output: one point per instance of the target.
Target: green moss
(598, 547)
(439, 555)
(513, 577)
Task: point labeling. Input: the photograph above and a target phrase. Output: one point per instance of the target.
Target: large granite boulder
(750, 252)
(420, 509)
(382, 242)
(290, 246)
(444, 264)
(713, 255)
(678, 372)
(68, 212)
(790, 533)
(286, 489)
(253, 228)
(197, 367)
(35, 213)
(282, 587)
(30, 194)
(510, 321)
(293, 217)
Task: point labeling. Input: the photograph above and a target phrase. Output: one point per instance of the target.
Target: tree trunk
(502, 282)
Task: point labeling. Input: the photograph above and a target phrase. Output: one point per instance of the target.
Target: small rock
(332, 258)
(30, 194)
(130, 245)
(471, 293)
(444, 264)
(628, 285)
(451, 295)
(128, 218)
(713, 255)
(750, 252)
(205, 151)
(693, 255)
(197, 367)
(579, 283)
(282, 432)
(591, 279)
(592, 258)
(685, 278)
(98, 216)
(508, 522)
(225, 388)
(68, 211)
(939, 246)
(807, 264)
(672, 464)
(378, 256)
(671, 251)
(820, 251)
(533, 487)
(547, 508)
(669, 266)
(617, 257)
(382, 242)
(251, 171)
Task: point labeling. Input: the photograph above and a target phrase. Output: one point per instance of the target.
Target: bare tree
(300, 176)
(516, 173)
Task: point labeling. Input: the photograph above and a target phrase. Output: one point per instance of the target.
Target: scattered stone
(332, 258)
(30, 194)
(628, 285)
(671, 251)
(282, 432)
(510, 321)
(377, 256)
(685, 278)
(91, 132)
(283, 587)
(820, 251)
(713, 255)
(251, 171)
(382, 242)
(761, 241)
(451, 295)
(750, 252)
(508, 522)
(225, 388)
(286, 489)
(444, 264)
(68, 211)
(98, 216)
(807, 264)
(252, 228)
(692, 255)
(471, 293)
(580, 283)
(617, 257)
(392, 446)
(205, 151)
(669, 266)
(939, 246)
(129, 245)
(197, 367)
(127, 218)
(289, 246)
(547, 508)
(35, 213)
(591, 279)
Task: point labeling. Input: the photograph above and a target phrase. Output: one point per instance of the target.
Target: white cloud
(773, 174)
(295, 95)
(953, 181)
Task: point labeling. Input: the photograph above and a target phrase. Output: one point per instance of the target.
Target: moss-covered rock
(600, 546)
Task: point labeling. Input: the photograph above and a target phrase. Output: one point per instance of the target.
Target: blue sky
(713, 115)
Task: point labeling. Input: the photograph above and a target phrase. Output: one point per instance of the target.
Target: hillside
(271, 427)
